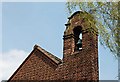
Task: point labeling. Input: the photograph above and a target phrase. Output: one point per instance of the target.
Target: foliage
(106, 16)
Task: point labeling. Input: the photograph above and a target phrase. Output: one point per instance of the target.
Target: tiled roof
(49, 55)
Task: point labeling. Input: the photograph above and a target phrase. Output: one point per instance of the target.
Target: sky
(25, 24)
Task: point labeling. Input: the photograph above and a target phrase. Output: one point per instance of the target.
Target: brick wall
(36, 67)
(82, 64)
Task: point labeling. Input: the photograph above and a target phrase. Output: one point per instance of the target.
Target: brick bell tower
(81, 47)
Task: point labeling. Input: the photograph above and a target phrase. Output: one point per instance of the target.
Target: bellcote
(80, 33)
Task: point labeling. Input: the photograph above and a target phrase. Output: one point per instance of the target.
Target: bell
(79, 43)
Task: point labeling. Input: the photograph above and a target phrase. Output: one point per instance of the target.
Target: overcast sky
(42, 23)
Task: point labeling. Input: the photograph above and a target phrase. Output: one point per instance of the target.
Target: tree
(106, 16)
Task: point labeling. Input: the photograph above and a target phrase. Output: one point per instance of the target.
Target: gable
(39, 65)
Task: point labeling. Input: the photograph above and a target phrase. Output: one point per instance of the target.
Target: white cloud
(10, 62)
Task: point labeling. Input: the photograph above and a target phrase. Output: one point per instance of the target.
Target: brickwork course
(79, 64)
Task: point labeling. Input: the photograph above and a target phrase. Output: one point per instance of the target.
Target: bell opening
(78, 38)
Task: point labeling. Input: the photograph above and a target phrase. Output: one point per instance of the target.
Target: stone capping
(67, 24)
(74, 14)
(83, 32)
(49, 55)
(94, 31)
(68, 36)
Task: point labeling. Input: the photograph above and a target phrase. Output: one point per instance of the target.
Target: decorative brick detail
(75, 65)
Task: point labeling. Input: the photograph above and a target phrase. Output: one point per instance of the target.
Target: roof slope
(49, 55)
(33, 63)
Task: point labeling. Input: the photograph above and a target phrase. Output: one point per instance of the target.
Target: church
(80, 55)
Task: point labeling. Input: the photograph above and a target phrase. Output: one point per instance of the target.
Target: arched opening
(78, 38)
